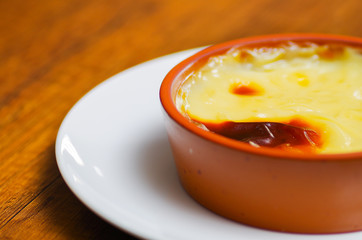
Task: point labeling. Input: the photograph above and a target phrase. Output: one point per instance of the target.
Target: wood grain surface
(53, 52)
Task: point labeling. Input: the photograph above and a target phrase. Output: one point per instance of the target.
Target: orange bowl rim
(171, 110)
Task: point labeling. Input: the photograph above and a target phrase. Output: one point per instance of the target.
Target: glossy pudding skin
(295, 96)
(266, 131)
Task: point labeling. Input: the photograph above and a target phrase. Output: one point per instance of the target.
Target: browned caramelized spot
(292, 135)
(251, 89)
(330, 52)
(244, 56)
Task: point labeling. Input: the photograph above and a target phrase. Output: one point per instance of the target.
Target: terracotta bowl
(263, 187)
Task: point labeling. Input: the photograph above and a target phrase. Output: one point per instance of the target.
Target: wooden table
(53, 52)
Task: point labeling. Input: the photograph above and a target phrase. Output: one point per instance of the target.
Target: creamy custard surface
(319, 85)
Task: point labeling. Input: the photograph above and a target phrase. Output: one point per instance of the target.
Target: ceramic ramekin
(263, 187)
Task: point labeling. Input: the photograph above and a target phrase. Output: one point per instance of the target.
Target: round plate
(112, 151)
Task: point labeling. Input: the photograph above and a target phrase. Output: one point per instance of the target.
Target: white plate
(113, 153)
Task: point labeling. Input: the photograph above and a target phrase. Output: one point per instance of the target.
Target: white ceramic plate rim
(122, 169)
